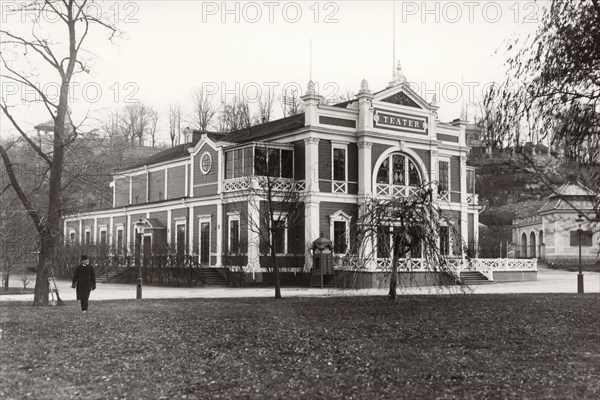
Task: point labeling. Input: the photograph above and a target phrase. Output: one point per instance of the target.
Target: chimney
(188, 135)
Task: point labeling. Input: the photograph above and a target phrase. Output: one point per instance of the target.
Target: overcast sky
(237, 48)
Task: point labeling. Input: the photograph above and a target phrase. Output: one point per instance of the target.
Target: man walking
(85, 281)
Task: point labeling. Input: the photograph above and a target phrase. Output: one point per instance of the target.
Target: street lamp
(138, 255)
(579, 221)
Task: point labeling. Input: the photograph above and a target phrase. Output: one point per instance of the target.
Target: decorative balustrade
(279, 184)
(484, 265)
(395, 190)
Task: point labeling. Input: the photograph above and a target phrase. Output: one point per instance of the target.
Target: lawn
(461, 346)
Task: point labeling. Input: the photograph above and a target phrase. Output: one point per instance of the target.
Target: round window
(205, 163)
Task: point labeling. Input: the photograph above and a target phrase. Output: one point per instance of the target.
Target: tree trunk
(394, 278)
(6, 277)
(276, 273)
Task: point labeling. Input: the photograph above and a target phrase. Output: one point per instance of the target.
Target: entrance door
(444, 240)
(204, 243)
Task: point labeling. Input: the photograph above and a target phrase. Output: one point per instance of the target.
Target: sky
(169, 48)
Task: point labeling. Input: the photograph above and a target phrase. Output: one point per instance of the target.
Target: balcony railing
(255, 183)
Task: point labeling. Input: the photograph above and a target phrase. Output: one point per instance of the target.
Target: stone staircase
(212, 277)
(473, 278)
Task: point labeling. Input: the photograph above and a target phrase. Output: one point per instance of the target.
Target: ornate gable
(401, 99)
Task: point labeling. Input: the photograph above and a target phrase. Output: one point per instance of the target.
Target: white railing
(279, 184)
(383, 189)
(486, 266)
(235, 185)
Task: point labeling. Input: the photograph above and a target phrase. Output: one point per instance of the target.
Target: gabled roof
(571, 196)
(266, 130)
(165, 155)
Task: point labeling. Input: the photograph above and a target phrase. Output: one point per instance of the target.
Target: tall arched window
(532, 253)
(396, 175)
(524, 245)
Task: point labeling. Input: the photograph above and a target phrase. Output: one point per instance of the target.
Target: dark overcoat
(84, 280)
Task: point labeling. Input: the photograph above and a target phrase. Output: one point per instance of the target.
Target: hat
(84, 257)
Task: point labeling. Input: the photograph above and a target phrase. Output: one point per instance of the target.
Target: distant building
(552, 234)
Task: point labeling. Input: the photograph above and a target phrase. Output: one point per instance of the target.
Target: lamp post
(138, 255)
(579, 221)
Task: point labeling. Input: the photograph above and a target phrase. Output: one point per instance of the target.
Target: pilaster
(311, 164)
(311, 223)
(219, 237)
(464, 220)
(253, 236)
(364, 167)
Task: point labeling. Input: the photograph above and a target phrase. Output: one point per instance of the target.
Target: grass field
(461, 346)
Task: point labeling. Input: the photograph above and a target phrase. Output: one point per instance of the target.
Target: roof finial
(399, 77)
(364, 86)
(311, 87)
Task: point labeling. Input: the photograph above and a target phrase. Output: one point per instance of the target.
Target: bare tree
(152, 125)
(265, 107)
(275, 205)
(235, 116)
(174, 123)
(64, 58)
(139, 121)
(291, 104)
(406, 228)
(204, 110)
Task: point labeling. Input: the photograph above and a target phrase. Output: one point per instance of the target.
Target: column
(253, 237)
(190, 175)
(365, 186)
(166, 195)
(131, 190)
(311, 224)
(464, 220)
(95, 232)
(169, 219)
(433, 173)
(190, 229)
(311, 164)
(128, 232)
(110, 231)
(219, 234)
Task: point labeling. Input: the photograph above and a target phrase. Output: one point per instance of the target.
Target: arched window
(532, 245)
(524, 245)
(396, 175)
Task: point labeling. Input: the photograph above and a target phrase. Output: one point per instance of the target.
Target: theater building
(190, 198)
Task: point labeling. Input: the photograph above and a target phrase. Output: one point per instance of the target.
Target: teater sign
(400, 122)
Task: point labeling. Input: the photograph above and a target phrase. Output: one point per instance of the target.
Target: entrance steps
(473, 278)
(211, 277)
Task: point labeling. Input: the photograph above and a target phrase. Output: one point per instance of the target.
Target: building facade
(194, 198)
(553, 232)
